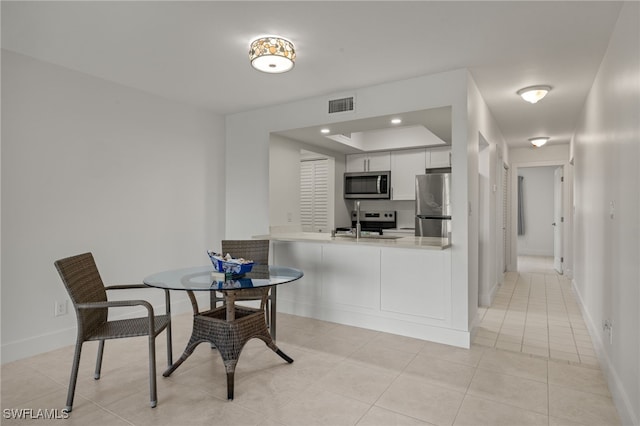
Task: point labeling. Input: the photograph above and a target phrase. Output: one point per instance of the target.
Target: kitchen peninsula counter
(400, 286)
(408, 242)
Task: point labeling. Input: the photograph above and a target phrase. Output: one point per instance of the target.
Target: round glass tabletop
(202, 278)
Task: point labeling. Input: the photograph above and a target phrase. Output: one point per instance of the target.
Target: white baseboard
(618, 393)
(447, 336)
(486, 299)
(35, 345)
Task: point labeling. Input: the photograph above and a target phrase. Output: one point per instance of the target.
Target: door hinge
(561, 178)
(562, 260)
(562, 219)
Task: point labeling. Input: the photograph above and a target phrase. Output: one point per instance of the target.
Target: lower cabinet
(351, 277)
(301, 256)
(394, 290)
(416, 283)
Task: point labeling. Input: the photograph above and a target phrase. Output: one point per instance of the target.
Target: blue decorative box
(229, 267)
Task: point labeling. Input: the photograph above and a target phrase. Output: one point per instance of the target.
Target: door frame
(558, 220)
(567, 202)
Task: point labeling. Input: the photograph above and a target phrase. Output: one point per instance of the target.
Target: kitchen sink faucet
(358, 227)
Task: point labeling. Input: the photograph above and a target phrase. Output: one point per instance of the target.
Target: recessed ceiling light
(325, 131)
(533, 94)
(538, 142)
(396, 121)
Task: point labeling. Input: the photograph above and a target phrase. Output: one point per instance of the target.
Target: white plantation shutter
(314, 195)
(306, 195)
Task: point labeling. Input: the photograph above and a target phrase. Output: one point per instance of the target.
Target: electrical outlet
(60, 308)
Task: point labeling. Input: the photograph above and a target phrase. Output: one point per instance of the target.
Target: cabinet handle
(368, 164)
(364, 164)
(449, 159)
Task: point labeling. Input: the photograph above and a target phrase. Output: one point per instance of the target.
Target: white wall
(284, 182)
(606, 158)
(482, 131)
(248, 216)
(484, 227)
(538, 211)
(89, 165)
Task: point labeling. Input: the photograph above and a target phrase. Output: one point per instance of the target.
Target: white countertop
(412, 242)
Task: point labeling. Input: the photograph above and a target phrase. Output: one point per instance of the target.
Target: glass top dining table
(229, 327)
(200, 278)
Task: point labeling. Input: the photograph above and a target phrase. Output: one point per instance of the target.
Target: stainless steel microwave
(367, 185)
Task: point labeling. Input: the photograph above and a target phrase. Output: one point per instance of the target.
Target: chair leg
(152, 372)
(230, 385)
(74, 376)
(96, 375)
(273, 311)
(169, 346)
(167, 301)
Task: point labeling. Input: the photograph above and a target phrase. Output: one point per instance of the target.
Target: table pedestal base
(228, 336)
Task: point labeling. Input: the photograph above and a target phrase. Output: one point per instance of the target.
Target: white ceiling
(196, 52)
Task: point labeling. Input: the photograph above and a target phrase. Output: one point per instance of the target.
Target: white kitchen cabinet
(369, 162)
(405, 165)
(438, 157)
(416, 283)
(307, 290)
(353, 278)
(385, 288)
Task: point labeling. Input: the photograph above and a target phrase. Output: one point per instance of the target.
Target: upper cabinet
(405, 165)
(369, 162)
(438, 157)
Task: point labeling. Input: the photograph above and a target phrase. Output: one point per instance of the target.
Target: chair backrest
(256, 250)
(83, 283)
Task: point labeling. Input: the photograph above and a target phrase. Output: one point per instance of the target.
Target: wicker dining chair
(257, 251)
(89, 297)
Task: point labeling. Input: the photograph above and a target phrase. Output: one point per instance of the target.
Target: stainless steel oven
(367, 185)
(374, 221)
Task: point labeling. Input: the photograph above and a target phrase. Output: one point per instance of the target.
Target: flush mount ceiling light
(325, 131)
(396, 121)
(272, 54)
(538, 142)
(533, 94)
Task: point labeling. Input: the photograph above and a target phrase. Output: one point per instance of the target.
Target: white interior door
(505, 218)
(558, 220)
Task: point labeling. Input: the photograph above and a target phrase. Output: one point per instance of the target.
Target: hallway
(535, 312)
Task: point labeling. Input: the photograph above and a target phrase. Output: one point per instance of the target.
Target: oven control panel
(374, 216)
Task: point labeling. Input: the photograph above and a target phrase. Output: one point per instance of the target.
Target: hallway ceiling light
(538, 142)
(396, 121)
(272, 54)
(533, 94)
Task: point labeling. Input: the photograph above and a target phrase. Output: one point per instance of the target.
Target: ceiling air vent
(341, 105)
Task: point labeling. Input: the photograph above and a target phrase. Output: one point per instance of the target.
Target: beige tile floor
(535, 312)
(341, 376)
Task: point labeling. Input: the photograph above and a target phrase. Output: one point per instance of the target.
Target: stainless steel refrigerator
(433, 205)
